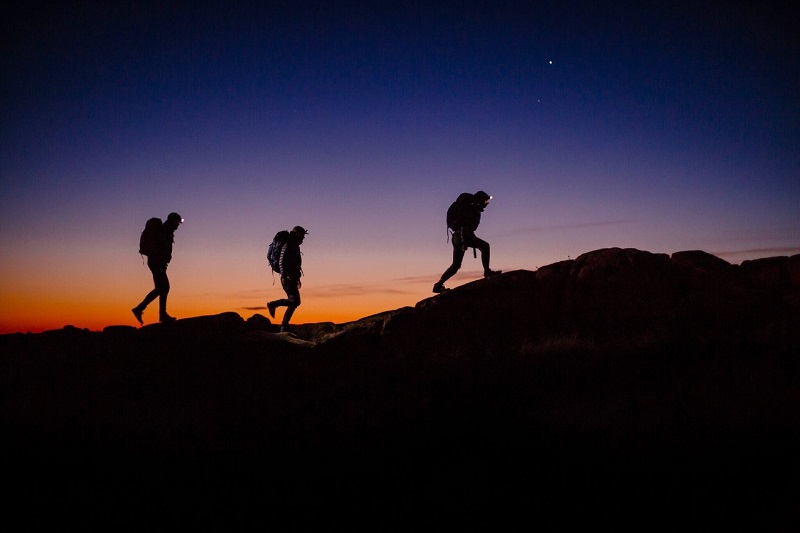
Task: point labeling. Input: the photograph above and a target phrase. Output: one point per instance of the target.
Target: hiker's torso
(291, 259)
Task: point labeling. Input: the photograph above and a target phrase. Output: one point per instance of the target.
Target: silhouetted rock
(259, 322)
(268, 338)
(781, 274)
(120, 330)
(700, 261)
(618, 382)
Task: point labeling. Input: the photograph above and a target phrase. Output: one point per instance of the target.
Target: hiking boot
(271, 308)
(138, 314)
(490, 273)
(166, 318)
(439, 288)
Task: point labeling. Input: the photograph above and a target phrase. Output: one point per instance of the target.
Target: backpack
(148, 241)
(457, 212)
(274, 250)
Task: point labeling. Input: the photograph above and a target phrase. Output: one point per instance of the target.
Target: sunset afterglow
(665, 129)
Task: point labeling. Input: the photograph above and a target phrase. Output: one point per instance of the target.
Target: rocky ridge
(621, 380)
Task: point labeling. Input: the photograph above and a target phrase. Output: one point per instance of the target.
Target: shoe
(271, 308)
(138, 314)
(490, 273)
(439, 288)
(166, 318)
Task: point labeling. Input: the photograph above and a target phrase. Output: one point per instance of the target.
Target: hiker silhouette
(463, 218)
(156, 243)
(290, 265)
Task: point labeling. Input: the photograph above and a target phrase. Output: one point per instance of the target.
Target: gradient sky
(662, 126)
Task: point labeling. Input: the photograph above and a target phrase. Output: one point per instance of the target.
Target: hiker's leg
(483, 246)
(152, 295)
(294, 304)
(162, 304)
(159, 272)
(287, 316)
(162, 287)
(458, 257)
(292, 290)
(164, 292)
(292, 298)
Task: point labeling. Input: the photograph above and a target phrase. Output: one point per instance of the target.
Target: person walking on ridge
(156, 243)
(463, 218)
(290, 264)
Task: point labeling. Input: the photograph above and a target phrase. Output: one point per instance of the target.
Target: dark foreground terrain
(622, 388)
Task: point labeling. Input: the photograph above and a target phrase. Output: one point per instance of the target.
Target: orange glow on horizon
(54, 314)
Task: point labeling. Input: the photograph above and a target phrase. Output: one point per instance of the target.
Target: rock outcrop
(612, 297)
(618, 382)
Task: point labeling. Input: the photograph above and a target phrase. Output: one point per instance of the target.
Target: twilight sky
(662, 126)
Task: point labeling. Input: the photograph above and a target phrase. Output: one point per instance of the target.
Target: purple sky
(663, 126)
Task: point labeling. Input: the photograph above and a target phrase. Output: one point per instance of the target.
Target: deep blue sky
(663, 126)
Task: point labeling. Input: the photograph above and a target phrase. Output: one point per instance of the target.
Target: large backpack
(274, 250)
(458, 211)
(148, 241)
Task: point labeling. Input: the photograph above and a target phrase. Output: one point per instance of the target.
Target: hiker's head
(299, 233)
(482, 199)
(174, 220)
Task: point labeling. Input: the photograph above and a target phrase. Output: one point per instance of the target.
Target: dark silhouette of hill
(622, 388)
